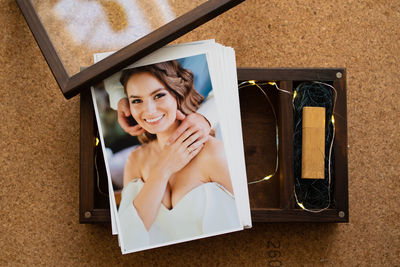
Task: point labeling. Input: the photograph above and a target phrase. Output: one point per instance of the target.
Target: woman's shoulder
(213, 146)
(213, 150)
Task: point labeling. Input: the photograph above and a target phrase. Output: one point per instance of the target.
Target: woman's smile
(154, 120)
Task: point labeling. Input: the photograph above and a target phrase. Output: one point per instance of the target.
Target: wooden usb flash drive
(313, 143)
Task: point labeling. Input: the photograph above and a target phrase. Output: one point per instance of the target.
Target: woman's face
(151, 104)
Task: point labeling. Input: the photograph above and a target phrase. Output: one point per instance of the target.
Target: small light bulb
(272, 83)
(252, 82)
(301, 206)
(294, 94)
(267, 177)
(97, 141)
(333, 120)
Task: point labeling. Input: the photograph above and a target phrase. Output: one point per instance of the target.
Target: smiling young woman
(178, 190)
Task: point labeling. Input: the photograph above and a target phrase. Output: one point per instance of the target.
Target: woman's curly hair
(178, 81)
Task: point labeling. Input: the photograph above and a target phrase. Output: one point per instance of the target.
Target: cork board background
(39, 144)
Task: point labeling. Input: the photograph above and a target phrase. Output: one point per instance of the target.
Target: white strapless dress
(207, 209)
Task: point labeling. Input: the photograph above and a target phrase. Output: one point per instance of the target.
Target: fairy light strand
(258, 85)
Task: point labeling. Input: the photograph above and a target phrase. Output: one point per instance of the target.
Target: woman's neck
(163, 137)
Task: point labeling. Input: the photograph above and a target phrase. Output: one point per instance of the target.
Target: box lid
(69, 32)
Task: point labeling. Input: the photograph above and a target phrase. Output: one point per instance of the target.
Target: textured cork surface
(39, 129)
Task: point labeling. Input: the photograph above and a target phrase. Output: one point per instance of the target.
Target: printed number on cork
(274, 253)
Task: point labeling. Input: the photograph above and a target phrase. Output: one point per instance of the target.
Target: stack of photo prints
(170, 132)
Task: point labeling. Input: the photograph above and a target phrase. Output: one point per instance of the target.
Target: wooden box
(270, 201)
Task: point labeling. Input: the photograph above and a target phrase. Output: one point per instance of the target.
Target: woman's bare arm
(148, 201)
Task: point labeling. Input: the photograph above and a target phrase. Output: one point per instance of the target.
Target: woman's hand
(193, 121)
(177, 155)
(123, 113)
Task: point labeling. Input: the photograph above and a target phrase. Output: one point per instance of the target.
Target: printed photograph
(164, 154)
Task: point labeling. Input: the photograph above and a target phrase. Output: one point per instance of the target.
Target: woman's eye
(157, 96)
(136, 101)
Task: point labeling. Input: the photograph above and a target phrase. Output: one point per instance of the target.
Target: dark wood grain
(340, 146)
(86, 172)
(99, 216)
(286, 145)
(93, 205)
(295, 215)
(286, 74)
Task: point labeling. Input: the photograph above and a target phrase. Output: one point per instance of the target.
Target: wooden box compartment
(270, 201)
